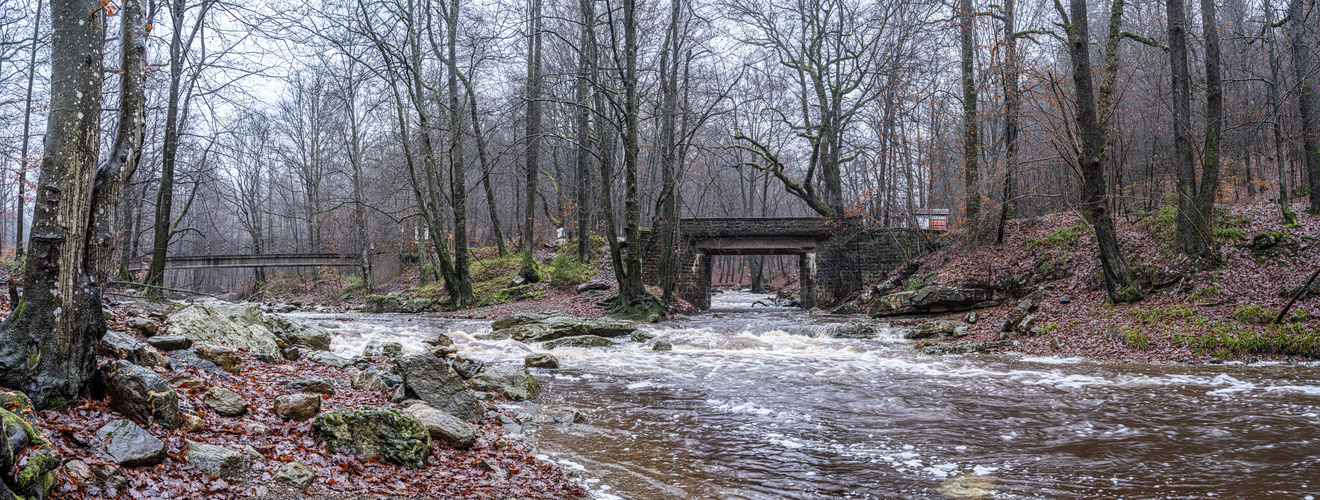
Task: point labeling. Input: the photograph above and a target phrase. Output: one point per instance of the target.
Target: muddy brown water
(749, 405)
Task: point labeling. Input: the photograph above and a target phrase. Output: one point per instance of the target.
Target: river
(749, 405)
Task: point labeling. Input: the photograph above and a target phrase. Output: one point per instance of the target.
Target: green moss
(1207, 294)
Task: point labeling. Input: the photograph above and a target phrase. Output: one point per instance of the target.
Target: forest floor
(1194, 311)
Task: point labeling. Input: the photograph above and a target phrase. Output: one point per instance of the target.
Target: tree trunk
(1276, 116)
(1301, 51)
(1093, 136)
(165, 193)
(528, 271)
(632, 293)
(586, 75)
(971, 142)
(1182, 132)
(667, 228)
(457, 171)
(1011, 105)
(27, 134)
(48, 344)
(1203, 217)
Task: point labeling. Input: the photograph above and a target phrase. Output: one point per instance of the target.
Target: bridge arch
(835, 256)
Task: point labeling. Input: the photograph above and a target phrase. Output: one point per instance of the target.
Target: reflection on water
(750, 405)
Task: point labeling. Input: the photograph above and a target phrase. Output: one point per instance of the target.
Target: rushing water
(750, 405)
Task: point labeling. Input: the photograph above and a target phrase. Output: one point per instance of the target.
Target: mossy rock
(36, 478)
(390, 434)
(381, 304)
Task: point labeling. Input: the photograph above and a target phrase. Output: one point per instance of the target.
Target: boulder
(392, 435)
(537, 327)
(298, 333)
(444, 427)
(849, 331)
(541, 360)
(170, 342)
(417, 305)
(224, 357)
(296, 474)
(120, 346)
(929, 299)
(592, 285)
(640, 336)
(932, 329)
(375, 378)
(144, 325)
(225, 402)
(378, 349)
(662, 345)
(186, 381)
(205, 324)
(35, 478)
(435, 382)
(513, 381)
(298, 406)
(139, 394)
(328, 358)
(130, 445)
(317, 385)
(188, 358)
(579, 341)
(467, 367)
(381, 304)
(1020, 320)
(215, 460)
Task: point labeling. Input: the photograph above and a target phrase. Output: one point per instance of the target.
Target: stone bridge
(835, 256)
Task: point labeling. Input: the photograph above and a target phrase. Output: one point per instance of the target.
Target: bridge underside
(835, 257)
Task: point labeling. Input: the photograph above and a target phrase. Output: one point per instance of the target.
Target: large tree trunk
(457, 170)
(528, 271)
(165, 193)
(122, 162)
(667, 227)
(586, 75)
(1182, 128)
(971, 142)
(1011, 105)
(1301, 56)
(48, 344)
(1092, 134)
(1276, 116)
(1202, 236)
(632, 293)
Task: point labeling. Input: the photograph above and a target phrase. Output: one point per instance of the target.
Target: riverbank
(265, 438)
(1193, 313)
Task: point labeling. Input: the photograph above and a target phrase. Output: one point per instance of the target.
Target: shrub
(1136, 339)
(1254, 314)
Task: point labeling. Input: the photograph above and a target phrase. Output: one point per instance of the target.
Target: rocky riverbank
(229, 401)
(1039, 292)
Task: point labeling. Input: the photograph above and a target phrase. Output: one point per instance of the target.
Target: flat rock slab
(579, 341)
(130, 445)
